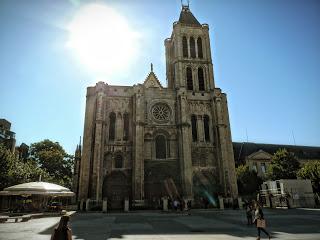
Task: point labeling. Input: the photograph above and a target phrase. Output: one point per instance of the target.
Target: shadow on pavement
(94, 226)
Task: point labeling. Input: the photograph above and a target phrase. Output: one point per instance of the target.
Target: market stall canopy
(37, 188)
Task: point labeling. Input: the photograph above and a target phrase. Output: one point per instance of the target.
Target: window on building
(112, 126)
(194, 128)
(206, 128)
(125, 126)
(199, 43)
(161, 150)
(263, 167)
(185, 47)
(189, 79)
(192, 47)
(200, 79)
(118, 161)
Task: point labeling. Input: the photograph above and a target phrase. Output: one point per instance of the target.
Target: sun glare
(102, 39)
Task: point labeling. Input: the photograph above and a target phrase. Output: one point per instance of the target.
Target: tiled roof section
(241, 150)
(186, 17)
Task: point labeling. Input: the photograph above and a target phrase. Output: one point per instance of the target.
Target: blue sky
(266, 56)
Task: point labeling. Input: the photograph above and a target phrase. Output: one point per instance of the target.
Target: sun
(102, 39)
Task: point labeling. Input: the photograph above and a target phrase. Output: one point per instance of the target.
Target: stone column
(88, 140)
(119, 127)
(200, 128)
(138, 143)
(185, 147)
(221, 129)
(196, 47)
(227, 158)
(188, 41)
(98, 145)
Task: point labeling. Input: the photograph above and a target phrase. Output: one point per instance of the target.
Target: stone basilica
(147, 141)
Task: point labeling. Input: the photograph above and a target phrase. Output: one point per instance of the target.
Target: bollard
(81, 205)
(268, 201)
(104, 205)
(221, 203)
(126, 205)
(240, 203)
(87, 204)
(165, 204)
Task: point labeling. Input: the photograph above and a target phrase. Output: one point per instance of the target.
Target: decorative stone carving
(161, 112)
(200, 107)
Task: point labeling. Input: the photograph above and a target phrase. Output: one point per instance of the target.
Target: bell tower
(188, 55)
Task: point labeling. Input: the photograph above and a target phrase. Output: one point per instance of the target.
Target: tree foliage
(52, 158)
(284, 165)
(14, 171)
(311, 170)
(248, 180)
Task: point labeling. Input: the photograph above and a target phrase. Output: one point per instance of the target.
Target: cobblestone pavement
(290, 224)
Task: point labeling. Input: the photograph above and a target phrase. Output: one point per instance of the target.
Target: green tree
(15, 171)
(248, 180)
(6, 158)
(52, 158)
(311, 170)
(284, 165)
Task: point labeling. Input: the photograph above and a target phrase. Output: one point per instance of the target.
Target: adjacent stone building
(147, 141)
(258, 156)
(7, 137)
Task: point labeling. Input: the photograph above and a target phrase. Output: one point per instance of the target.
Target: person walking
(259, 220)
(63, 231)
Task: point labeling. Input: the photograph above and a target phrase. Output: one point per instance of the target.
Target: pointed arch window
(194, 128)
(185, 47)
(125, 126)
(112, 126)
(118, 161)
(161, 149)
(199, 44)
(192, 47)
(189, 79)
(201, 79)
(206, 128)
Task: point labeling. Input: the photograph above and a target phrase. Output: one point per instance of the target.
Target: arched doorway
(116, 188)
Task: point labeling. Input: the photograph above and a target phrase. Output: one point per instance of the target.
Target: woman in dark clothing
(62, 232)
(258, 215)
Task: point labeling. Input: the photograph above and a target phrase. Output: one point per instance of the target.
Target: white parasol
(37, 188)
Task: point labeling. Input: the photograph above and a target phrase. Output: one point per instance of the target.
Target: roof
(152, 81)
(186, 17)
(244, 149)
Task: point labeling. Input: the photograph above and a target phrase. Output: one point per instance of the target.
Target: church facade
(147, 141)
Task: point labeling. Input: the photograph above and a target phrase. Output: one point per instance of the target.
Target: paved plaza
(201, 224)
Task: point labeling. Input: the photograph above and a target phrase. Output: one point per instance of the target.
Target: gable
(152, 81)
(260, 155)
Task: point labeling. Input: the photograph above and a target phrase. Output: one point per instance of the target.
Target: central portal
(117, 188)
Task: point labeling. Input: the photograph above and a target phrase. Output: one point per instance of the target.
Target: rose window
(161, 112)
